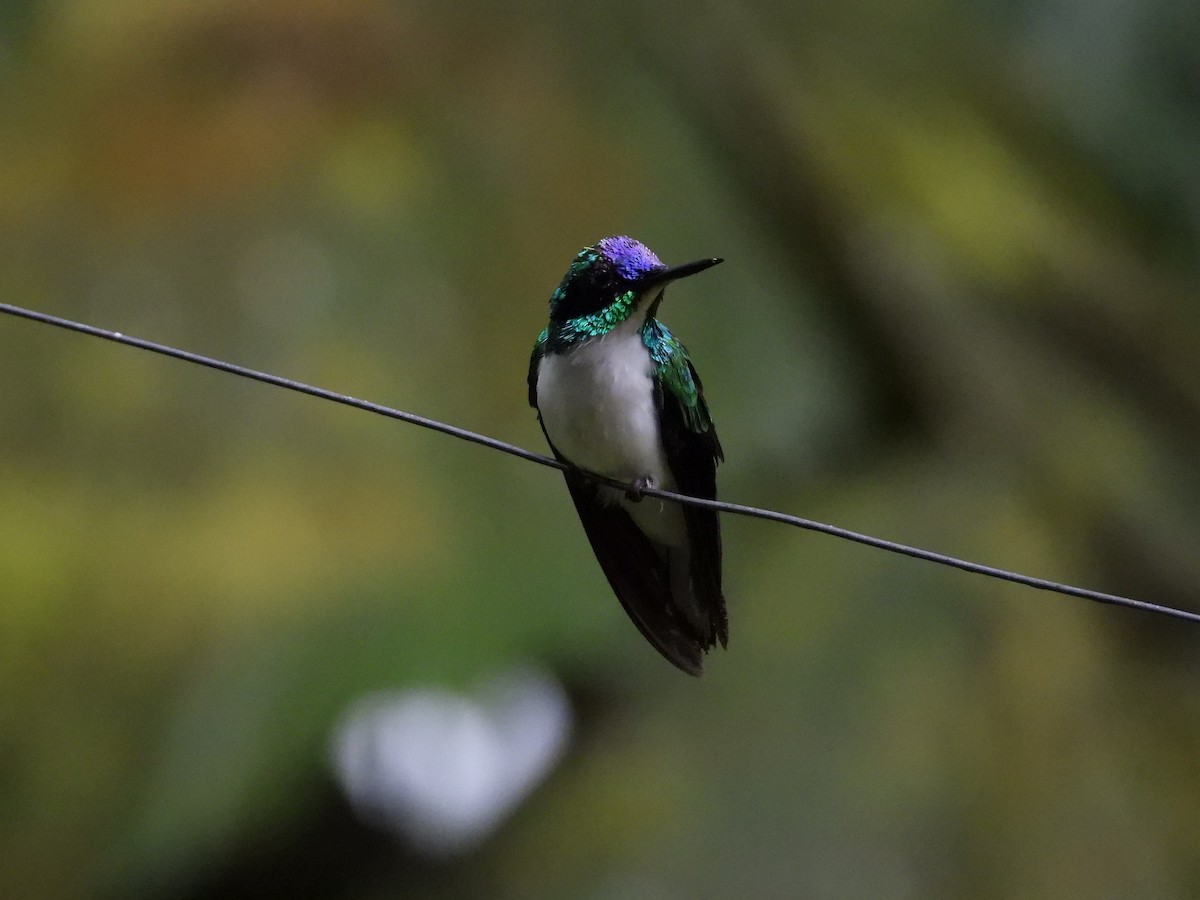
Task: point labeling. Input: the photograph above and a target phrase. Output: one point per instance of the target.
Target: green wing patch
(676, 375)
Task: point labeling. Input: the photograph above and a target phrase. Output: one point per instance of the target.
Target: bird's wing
(693, 451)
(535, 361)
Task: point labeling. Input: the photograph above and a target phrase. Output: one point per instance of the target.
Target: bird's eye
(602, 278)
(586, 291)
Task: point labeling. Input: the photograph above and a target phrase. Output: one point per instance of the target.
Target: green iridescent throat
(562, 335)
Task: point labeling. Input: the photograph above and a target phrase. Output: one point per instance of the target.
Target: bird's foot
(635, 490)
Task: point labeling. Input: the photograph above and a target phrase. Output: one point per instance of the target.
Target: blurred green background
(959, 309)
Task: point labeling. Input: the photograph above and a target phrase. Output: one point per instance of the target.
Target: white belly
(597, 405)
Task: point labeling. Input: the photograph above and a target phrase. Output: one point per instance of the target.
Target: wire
(520, 452)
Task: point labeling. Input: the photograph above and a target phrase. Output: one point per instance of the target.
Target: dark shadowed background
(254, 645)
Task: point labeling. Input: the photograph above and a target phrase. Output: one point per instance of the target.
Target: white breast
(597, 405)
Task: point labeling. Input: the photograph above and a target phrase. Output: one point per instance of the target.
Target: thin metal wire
(722, 506)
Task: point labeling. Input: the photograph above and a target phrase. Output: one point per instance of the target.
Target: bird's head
(612, 279)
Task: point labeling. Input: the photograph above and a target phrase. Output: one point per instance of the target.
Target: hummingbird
(616, 394)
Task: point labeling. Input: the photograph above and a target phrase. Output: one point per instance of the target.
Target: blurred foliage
(959, 309)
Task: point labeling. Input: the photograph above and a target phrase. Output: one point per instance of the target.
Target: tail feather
(640, 574)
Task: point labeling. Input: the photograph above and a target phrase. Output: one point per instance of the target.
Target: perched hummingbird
(616, 394)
